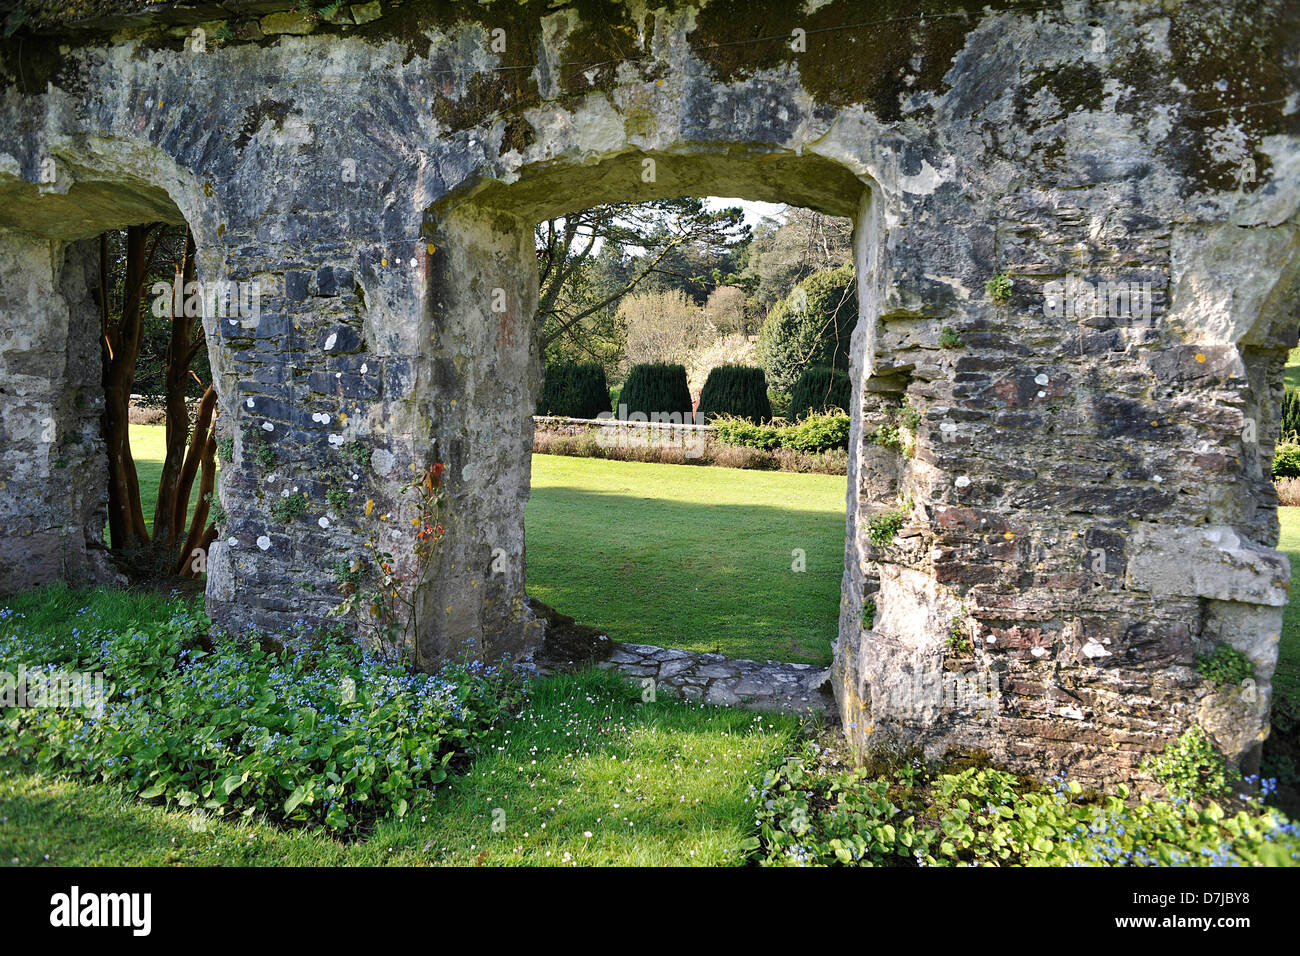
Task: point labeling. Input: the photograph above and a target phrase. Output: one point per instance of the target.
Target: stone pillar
(53, 479)
(366, 366)
(1079, 503)
(484, 369)
(317, 435)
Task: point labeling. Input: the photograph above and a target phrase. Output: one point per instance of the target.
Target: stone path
(711, 678)
(714, 679)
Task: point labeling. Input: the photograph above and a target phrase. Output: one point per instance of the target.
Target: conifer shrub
(735, 390)
(819, 389)
(655, 389)
(1290, 414)
(575, 390)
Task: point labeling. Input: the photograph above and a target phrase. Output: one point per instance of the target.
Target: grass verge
(587, 773)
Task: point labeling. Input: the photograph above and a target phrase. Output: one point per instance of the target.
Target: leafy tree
(130, 262)
(662, 327)
(589, 260)
(784, 254)
(725, 310)
(734, 349)
(810, 326)
(151, 367)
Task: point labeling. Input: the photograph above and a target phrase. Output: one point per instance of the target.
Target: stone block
(288, 22)
(1210, 562)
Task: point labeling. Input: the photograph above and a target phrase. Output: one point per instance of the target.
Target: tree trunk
(169, 511)
(186, 455)
(204, 434)
(203, 448)
(121, 350)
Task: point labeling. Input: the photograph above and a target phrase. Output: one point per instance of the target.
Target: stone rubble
(769, 686)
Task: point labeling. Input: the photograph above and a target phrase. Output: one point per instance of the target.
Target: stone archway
(1084, 503)
(50, 353)
(484, 349)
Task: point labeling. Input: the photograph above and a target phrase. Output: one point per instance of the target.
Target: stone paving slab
(771, 686)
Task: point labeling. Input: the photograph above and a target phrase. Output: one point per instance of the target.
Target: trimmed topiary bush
(574, 389)
(1286, 460)
(1290, 413)
(736, 390)
(656, 388)
(820, 389)
(811, 326)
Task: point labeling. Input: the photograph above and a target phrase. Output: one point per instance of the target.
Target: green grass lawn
(688, 556)
(586, 775)
(1292, 376)
(1287, 679)
(149, 449)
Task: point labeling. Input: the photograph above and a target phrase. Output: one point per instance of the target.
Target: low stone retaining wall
(770, 686)
(674, 444)
(619, 432)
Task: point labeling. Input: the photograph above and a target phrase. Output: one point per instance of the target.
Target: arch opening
(84, 257)
(492, 359)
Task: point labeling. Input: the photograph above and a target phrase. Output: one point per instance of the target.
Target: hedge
(1286, 460)
(656, 389)
(814, 434)
(576, 390)
(736, 390)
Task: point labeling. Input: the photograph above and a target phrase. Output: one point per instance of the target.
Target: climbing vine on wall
(377, 592)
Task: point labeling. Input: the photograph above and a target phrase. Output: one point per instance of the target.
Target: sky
(754, 211)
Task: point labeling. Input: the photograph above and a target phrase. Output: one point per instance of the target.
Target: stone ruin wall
(1087, 496)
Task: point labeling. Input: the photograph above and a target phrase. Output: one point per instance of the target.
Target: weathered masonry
(1086, 504)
